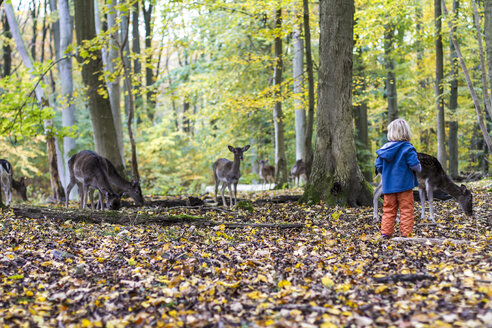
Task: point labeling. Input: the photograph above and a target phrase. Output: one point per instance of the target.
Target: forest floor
(334, 270)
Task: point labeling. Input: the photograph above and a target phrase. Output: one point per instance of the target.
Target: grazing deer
(267, 173)
(228, 173)
(20, 187)
(6, 181)
(120, 184)
(87, 170)
(433, 177)
(298, 171)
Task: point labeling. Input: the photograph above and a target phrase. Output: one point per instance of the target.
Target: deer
(267, 173)
(120, 184)
(20, 187)
(87, 170)
(6, 174)
(298, 171)
(228, 173)
(433, 177)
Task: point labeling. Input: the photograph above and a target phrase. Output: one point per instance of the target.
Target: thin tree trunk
(65, 70)
(34, 17)
(56, 186)
(488, 40)
(149, 73)
(308, 145)
(298, 70)
(476, 102)
(441, 132)
(335, 177)
(124, 27)
(7, 50)
(137, 66)
(103, 127)
(389, 65)
(280, 158)
(453, 106)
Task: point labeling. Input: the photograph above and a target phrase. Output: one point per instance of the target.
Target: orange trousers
(404, 201)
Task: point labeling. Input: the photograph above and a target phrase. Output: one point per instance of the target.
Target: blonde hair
(399, 130)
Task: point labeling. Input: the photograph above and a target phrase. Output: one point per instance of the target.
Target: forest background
(204, 75)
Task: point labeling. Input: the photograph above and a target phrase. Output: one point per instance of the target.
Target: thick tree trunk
(300, 113)
(335, 177)
(440, 128)
(389, 66)
(57, 188)
(308, 145)
(103, 127)
(453, 106)
(280, 158)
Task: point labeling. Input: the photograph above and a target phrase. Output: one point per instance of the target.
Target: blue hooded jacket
(396, 161)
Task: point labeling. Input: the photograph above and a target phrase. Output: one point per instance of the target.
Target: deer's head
(465, 199)
(238, 151)
(136, 193)
(113, 201)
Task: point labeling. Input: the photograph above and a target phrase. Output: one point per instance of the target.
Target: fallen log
(411, 277)
(278, 199)
(123, 218)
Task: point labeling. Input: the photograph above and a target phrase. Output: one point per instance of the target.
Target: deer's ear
(245, 148)
(463, 188)
(231, 148)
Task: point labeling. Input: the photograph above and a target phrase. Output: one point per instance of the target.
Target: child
(397, 162)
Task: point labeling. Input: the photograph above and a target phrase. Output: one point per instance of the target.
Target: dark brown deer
(6, 174)
(298, 171)
(228, 173)
(267, 173)
(20, 187)
(121, 185)
(433, 177)
(87, 170)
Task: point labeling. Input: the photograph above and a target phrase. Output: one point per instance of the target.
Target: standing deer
(298, 171)
(120, 184)
(228, 173)
(87, 170)
(20, 187)
(267, 173)
(433, 177)
(6, 181)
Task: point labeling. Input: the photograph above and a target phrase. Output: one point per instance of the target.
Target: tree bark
(488, 40)
(389, 65)
(137, 66)
(308, 136)
(335, 177)
(476, 102)
(103, 127)
(453, 106)
(149, 73)
(440, 128)
(7, 50)
(298, 71)
(56, 186)
(280, 158)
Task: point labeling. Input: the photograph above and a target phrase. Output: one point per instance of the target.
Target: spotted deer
(87, 170)
(6, 174)
(298, 171)
(267, 173)
(433, 177)
(228, 173)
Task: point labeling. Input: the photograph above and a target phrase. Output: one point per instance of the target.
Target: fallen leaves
(92, 275)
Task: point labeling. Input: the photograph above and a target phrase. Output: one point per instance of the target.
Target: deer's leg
(216, 181)
(430, 197)
(101, 201)
(235, 194)
(68, 190)
(85, 190)
(230, 193)
(375, 201)
(222, 193)
(91, 195)
(422, 202)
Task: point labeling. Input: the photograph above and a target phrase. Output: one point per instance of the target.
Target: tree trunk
(105, 138)
(440, 128)
(34, 18)
(476, 102)
(389, 66)
(453, 106)
(149, 73)
(137, 66)
(66, 81)
(124, 27)
(57, 188)
(300, 113)
(308, 146)
(7, 51)
(280, 158)
(335, 177)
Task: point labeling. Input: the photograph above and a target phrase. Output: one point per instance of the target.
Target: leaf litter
(336, 271)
